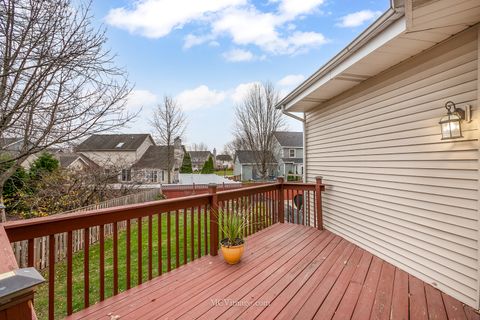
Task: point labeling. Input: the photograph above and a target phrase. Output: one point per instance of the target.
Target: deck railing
(159, 236)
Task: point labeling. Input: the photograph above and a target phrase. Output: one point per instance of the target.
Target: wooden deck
(288, 271)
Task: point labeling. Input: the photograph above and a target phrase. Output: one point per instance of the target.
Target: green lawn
(224, 173)
(41, 297)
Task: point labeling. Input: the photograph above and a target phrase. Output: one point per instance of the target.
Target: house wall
(298, 152)
(393, 186)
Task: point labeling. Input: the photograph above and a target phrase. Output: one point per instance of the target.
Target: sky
(207, 53)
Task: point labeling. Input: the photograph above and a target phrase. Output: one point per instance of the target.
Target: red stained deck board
(383, 298)
(251, 292)
(198, 304)
(177, 295)
(177, 278)
(300, 271)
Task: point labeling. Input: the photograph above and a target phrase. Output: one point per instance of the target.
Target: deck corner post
(212, 190)
(318, 195)
(281, 201)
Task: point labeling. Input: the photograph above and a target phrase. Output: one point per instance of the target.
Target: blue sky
(207, 53)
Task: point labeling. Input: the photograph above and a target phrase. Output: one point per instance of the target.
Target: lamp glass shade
(450, 126)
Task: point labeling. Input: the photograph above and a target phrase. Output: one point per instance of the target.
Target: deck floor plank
(301, 272)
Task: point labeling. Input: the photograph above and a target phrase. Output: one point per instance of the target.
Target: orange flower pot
(232, 254)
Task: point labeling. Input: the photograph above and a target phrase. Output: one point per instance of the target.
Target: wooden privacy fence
(176, 231)
(41, 244)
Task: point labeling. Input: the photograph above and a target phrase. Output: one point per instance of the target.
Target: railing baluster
(128, 253)
(51, 276)
(307, 204)
(150, 262)
(69, 272)
(115, 258)
(139, 251)
(31, 252)
(205, 229)
(169, 239)
(199, 232)
(177, 241)
(102, 262)
(192, 235)
(160, 251)
(86, 267)
(185, 252)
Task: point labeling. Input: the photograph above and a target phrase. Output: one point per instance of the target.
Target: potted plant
(232, 245)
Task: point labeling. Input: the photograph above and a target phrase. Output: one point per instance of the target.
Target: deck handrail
(196, 216)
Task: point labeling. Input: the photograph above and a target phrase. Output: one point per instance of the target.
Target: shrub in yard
(186, 164)
(208, 166)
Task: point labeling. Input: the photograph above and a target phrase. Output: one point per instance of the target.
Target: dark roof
(224, 157)
(67, 159)
(113, 142)
(11, 144)
(155, 158)
(247, 156)
(289, 138)
(292, 160)
(200, 156)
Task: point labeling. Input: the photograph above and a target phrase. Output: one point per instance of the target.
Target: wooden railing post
(318, 204)
(212, 190)
(281, 201)
(17, 285)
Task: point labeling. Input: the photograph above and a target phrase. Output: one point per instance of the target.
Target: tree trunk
(3, 214)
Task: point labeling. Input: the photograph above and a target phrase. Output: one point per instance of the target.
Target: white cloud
(291, 80)
(140, 98)
(236, 55)
(241, 91)
(239, 20)
(293, 8)
(199, 97)
(250, 26)
(358, 18)
(157, 18)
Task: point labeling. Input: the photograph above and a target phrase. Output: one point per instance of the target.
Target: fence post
(281, 201)
(318, 204)
(212, 190)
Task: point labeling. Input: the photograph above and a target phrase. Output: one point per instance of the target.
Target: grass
(224, 173)
(41, 297)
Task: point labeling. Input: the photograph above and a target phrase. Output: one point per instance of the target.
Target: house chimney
(177, 143)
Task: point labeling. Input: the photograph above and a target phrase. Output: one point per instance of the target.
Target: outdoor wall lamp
(450, 124)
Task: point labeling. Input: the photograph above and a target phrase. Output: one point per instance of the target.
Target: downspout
(303, 120)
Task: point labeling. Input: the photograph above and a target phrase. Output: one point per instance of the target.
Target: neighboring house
(245, 165)
(12, 147)
(118, 151)
(394, 186)
(223, 161)
(289, 152)
(75, 161)
(199, 158)
(153, 166)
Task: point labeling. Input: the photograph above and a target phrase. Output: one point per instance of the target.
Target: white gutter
(303, 120)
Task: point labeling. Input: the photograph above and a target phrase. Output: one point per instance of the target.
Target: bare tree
(198, 147)
(57, 83)
(256, 120)
(169, 123)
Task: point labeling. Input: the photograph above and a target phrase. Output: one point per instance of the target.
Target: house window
(126, 175)
(151, 176)
(120, 144)
(163, 175)
(292, 153)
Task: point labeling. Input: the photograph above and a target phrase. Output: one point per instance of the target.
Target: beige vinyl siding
(393, 186)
